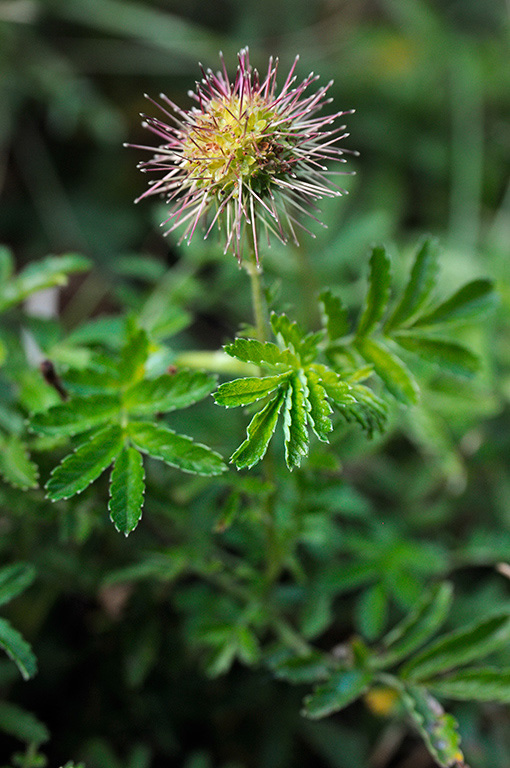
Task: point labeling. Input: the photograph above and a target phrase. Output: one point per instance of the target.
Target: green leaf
(168, 392)
(450, 356)
(421, 284)
(248, 390)
(378, 291)
(460, 647)
(295, 417)
(38, 275)
(79, 469)
(248, 648)
(310, 668)
(134, 355)
(6, 264)
(176, 450)
(368, 410)
(15, 465)
(372, 611)
(14, 579)
(336, 388)
(289, 332)
(320, 408)
(471, 300)
(126, 490)
(480, 684)
(438, 729)
(395, 375)
(334, 315)
(342, 688)
(21, 724)
(77, 415)
(257, 352)
(17, 649)
(419, 626)
(259, 433)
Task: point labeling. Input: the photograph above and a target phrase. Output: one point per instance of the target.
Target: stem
(260, 312)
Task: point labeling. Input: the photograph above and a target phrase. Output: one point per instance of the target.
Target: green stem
(261, 317)
(260, 312)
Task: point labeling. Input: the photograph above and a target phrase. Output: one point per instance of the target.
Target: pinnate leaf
(14, 579)
(334, 315)
(460, 647)
(419, 626)
(471, 300)
(290, 332)
(378, 291)
(395, 375)
(248, 390)
(320, 408)
(176, 450)
(259, 433)
(77, 415)
(421, 284)
(257, 352)
(343, 687)
(52, 270)
(168, 392)
(295, 417)
(336, 388)
(479, 684)
(450, 356)
(438, 729)
(79, 469)
(17, 649)
(15, 465)
(134, 355)
(126, 490)
(21, 724)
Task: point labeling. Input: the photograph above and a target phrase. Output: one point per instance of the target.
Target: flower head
(245, 157)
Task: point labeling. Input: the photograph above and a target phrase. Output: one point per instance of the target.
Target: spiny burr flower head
(244, 157)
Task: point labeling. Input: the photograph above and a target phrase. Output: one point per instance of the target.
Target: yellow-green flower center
(232, 142)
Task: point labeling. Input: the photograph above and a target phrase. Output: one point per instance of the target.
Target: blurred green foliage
(130, 634)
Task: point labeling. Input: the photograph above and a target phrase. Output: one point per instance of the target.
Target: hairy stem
(261, 318)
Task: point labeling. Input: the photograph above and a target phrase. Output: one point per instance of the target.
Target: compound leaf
(419, 626)
(248, 390)
(126, 490)
(168, 392)
(470, 300)
(421, 284)
(21, 724)
(14, 579)
(460, 647)
(80, 468)
(295, 417)
(334, 315)
(320, 408)
(52, 270)
(438, 729)
(395, 375)
(378, 291)
(17, 649)
(77, 415)
(257, 352)
(176, 450)
(479, 684)
(15, 465)
(133, 355)
(259, 433)
(342, 688)
(450, 356)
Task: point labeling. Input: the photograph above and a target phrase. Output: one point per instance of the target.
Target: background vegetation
(126, 672)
